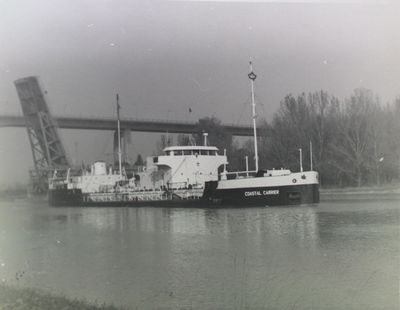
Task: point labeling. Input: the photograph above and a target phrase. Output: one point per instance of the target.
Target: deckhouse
(189, 166)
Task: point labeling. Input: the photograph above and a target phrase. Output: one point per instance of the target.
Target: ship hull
(266, 196)
(65, 197)
(75, 198)
(241, 197)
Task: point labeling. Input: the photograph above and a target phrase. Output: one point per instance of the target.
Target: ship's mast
(119, 138)
(252, 78)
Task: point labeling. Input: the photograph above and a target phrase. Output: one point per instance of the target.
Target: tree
(139, 161)
(165, 141)
(353, 146)
(290, 130)
(324, 110)
(184, 140)
(354, 142)
(237, 155)
(387, 143)
(217, 135)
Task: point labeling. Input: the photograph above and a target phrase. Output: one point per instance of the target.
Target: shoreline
(391, 191)
(12, 297)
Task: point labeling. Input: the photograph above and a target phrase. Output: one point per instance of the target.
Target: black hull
(65, 197)
(264, 196)
(241, 197)
(75, 198)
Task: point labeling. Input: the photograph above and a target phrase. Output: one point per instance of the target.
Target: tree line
(355, 142)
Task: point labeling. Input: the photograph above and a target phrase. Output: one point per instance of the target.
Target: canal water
(335, 255)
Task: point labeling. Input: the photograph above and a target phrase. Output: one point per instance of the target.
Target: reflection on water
(301, 221)
(332, 256)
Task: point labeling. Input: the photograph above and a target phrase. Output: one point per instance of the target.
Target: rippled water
(337, 255)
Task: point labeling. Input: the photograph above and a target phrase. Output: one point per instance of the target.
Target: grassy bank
(12, 298)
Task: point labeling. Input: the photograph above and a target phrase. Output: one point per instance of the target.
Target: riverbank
(12, 298)
(391, 191)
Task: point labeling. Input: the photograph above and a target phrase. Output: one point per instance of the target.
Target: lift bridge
(47, 150)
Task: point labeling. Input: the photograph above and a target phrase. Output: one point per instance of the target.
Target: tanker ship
(185, 176)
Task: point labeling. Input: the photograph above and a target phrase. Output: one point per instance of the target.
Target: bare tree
(184, 139)
(355, 142)
(353, 145)
(217, 135)
(165, 141)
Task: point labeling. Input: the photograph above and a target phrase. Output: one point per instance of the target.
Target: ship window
(196, 152)
(186, 152)
(204, 152)
(168, 152)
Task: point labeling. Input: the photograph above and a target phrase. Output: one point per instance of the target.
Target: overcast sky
(163, 57)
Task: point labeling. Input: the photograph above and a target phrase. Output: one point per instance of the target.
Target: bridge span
(160, 126)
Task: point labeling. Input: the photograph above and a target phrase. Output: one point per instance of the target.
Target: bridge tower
(47, 150)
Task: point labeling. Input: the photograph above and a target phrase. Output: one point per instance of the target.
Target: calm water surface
(337, 255)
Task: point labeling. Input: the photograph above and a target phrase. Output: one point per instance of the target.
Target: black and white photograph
(199, 154)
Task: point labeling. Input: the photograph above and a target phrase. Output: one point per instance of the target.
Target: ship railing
(132, 196)
(239, 174)
(60, 178)
(144, 196)
(57, 183)
(186, 194)
(112, 197)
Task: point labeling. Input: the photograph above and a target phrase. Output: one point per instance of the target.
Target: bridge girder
(158, 126)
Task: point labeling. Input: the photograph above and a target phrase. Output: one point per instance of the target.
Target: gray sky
(163, 57)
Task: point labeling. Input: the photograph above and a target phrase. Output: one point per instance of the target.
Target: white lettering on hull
(262, 193)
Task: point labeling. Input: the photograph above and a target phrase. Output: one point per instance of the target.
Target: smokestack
(205, 138)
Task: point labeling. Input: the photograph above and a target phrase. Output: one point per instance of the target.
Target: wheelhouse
(191, 150)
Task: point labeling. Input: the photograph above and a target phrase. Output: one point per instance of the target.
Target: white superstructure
(98, 179)
(178, 168)
(189, 166)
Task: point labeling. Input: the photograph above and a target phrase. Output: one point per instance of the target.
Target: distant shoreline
(391, 191)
